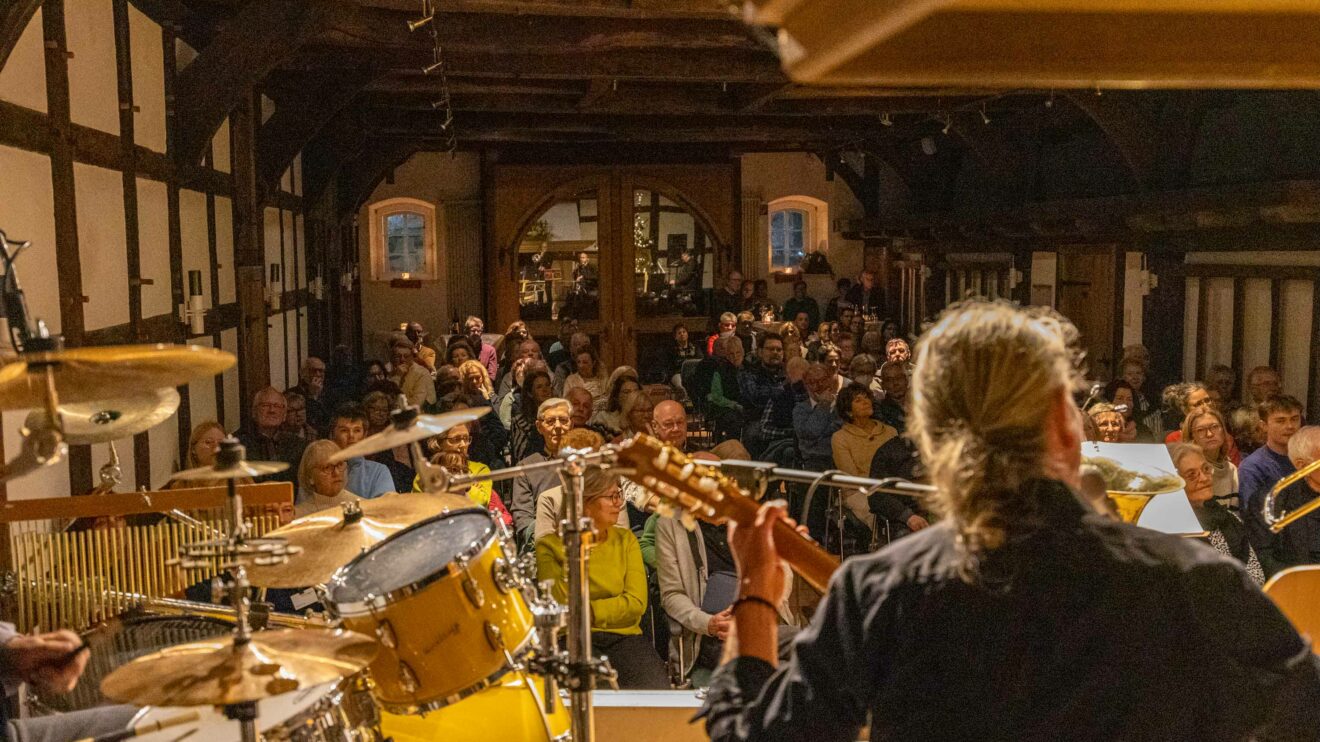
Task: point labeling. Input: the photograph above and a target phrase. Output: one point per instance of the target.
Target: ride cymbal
(331, 538)
(217, 672)
(417, 429)
(108, 420)
(112, 372)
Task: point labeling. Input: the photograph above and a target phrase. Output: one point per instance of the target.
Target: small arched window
(798, 226)
(403, 244)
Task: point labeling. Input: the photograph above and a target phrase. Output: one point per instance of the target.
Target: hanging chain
(438, 67)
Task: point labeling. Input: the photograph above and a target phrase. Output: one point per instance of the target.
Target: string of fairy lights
(437, 67)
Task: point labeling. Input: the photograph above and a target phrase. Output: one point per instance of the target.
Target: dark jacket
(867, 302)
(757, 384)
(1299, 543)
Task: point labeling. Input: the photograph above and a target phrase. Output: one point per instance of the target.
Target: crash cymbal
(108, 420)
(418, 429)
(240, 470)
(215, 672)
(332, 538)
(111, 372)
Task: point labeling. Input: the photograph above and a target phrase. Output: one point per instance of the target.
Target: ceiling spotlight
(885, 120)
(985, 119)
(414, 25)
(437, 65)
(948, 124)
(1049, 103)
(1098, 91)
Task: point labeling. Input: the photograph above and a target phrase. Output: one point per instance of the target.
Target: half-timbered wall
(116, 225)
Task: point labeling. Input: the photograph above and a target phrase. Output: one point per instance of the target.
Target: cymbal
(97, 373)
(421, 428)
(239, 470)
(110, 419)
(215, 672)
(329, 539)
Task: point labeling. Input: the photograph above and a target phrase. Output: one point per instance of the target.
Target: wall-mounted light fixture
(316, 287)
(274, 288)
(193, 313)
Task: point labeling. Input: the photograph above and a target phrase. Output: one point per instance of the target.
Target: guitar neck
(803, 554)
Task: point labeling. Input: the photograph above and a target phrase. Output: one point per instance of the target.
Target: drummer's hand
(40, 659)
(754, 552)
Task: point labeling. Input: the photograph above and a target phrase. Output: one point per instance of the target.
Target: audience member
(617, 577)
(622, 385)
(723, 407)
(814, 419)
(1222, 381)
(524, 432)
(728, 299)
(320, 483)
(898, 351)
(553, 418)
(589, 374)
(561, 349)
(1263, 382)
(366, 479)
(1280, 418)
(473, 327)
(761, 376)
(311, 387)
(459, 351)
(637, 416)
(1107, 421)
(839, 300)
(1227, 533)
(1299, 543)
(671, 424)
(894, 382)
(475, 381)
(295, 417)
(265, 439)
(583, 406)
(801, 303)
(1206, 429)
(202, 447)
(682, 349)
(866, 296)
(413, 380)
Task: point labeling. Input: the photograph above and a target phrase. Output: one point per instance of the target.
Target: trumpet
(1279, 521)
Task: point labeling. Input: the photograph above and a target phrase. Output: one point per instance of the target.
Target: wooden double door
(627, 251)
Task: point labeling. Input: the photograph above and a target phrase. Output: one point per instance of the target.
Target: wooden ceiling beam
(14, 19)
(713, 9)
(299, 115)
(246, 49)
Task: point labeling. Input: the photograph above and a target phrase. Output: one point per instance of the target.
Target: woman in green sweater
(617, 582)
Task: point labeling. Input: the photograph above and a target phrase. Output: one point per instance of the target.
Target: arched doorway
(623, 251)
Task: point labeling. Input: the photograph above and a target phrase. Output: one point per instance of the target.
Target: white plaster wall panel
(220, 148)
(300, 229)
(102, 247)
(148, 65)
(302, 334)
(1295, 355)
(196, 246)
(291, 349)
(278, 356)
(184, 54)
(1256, 325)
(233, 402)
(286, 180)
(26, 213)
(101, 456)
(154, 248)
(1133, 300)
(1264, 257)
(201, 395)
(23, 77)
(224, 249)
(164, 444)
(48, 481)
(1219, 319)
(1190, 317)
(93, 81)
(290, 248)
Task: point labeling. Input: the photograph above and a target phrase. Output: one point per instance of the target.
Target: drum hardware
(409, 427)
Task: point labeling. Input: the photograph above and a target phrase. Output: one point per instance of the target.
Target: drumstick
(147, 728)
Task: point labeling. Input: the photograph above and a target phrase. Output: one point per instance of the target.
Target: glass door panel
(559, 262)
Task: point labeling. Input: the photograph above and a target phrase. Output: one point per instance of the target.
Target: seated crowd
(797, 385)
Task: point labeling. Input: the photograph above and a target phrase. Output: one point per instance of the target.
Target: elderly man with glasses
(265, 439)
(554, 418)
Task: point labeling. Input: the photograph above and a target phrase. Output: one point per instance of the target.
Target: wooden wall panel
(101, 248)
(93, 87)
(196, 248)
(234, 404)
(1295, 353)
(23, 76)
(154, 247)
(28, 218)
(224, 244)
(148, 55)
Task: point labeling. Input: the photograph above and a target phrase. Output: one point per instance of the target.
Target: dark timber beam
(250, 45)
(299, 115)
(359, 177)
(1129, 127)
(14, 18)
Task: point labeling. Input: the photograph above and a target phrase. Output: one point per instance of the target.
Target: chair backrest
(1296, 591)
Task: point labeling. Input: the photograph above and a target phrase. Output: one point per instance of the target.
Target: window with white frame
(403, 244)
(797, 227)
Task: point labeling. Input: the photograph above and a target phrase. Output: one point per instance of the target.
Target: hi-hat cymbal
(215, 672)
(240, 470)
(332, 538)
(420, 428)
(110, 419)
(96, 373)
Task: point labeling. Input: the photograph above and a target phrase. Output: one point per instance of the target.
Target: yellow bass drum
(512, 710)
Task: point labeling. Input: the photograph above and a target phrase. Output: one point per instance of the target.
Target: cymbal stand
(237, 586)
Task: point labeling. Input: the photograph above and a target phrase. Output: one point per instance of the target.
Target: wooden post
(178, 293)
(249, 273)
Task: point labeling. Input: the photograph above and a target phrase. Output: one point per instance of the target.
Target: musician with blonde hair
(1022, 613)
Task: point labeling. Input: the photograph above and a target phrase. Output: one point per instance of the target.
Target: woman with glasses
(1208, 429)
(456, 440)
(320, 483)
(617, 577)
(1225, 529)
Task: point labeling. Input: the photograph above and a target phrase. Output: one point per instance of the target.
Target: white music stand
(1167, 513)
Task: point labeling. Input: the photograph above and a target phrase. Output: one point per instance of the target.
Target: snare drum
(512, 710)
(338, 712)
(446, 605)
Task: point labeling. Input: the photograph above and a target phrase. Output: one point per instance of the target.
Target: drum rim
(372, 603)
(435, 704)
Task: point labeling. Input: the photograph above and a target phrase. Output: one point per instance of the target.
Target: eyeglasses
(1210, 429)
(271, 406)
(560, 421)
(456, 439)
(670, 424)
(615, 496)
(330, 468)
(1205, 470)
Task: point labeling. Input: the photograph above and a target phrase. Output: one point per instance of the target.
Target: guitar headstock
(683, 483)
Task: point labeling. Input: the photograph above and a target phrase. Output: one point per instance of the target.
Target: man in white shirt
(413, 380)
